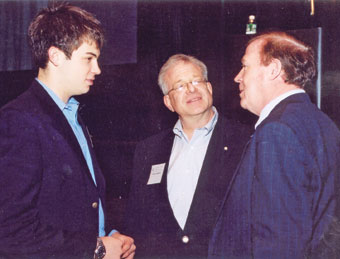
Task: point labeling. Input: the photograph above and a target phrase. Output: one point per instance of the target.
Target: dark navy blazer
(281, 198)
(150, 219)
(48, 200)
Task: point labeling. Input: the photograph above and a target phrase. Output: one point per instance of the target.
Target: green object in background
(251, 26)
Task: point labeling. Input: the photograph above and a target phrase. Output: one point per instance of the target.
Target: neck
(52, 82)
(278, 89)
(189, 124)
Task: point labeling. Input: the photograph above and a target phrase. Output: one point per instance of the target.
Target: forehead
(252, 52)
(85, 48)
(183, 69)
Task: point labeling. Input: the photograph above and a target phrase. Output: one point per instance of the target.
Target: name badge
(156, 174)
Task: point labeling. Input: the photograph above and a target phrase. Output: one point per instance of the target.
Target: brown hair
(63, 26)
(296, 57)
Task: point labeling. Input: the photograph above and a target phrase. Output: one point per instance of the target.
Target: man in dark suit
(180, 174)
(282, 196)
(52, 192)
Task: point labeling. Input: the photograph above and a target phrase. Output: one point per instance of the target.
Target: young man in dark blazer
(52, 192)
(181, 174)
(281, 199)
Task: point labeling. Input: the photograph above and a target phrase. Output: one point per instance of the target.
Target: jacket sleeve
(135, 199)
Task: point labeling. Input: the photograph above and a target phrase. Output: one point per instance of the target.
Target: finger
(132, 249)
(130, 256)
(129, 252)
(126, 245)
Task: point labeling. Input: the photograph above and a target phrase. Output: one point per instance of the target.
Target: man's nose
(238, 77)
(96, 69)
(191, 88)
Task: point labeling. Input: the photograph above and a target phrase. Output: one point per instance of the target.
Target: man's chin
(86, 89)
(243, 105)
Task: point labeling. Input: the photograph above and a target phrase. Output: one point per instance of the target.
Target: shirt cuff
(112, 232)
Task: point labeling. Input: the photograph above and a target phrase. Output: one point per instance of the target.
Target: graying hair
(174, 60)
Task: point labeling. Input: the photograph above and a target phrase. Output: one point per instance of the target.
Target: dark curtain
(119, 19)
(15, 17)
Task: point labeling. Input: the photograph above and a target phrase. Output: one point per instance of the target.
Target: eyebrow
(92, 54)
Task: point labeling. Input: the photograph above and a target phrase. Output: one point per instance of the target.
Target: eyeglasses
(184, 86)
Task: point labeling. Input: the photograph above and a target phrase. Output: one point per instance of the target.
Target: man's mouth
(90, 81)
(196, 99)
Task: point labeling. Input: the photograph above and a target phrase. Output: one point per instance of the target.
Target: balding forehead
(280, 38)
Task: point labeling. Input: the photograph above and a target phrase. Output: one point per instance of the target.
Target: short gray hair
(174, 60)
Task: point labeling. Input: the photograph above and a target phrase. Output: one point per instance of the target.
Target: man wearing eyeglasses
(181, 174)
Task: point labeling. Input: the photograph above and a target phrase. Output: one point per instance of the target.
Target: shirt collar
(72, 103)
(178, 129)
(272, 104)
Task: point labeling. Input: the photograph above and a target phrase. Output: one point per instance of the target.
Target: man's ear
(167, 102)
(55, 55)
(209, 87)
(275, 67)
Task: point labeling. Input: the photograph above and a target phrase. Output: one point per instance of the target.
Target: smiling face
(77, 74)
(194, 101)
(252, 80)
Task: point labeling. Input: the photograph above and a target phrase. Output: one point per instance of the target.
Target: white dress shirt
(185, 165)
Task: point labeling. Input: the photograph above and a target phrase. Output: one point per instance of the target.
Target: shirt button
(185, 239)
(95, 205)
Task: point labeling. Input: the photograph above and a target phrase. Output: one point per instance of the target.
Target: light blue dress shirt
(70, 110)
(185, 165)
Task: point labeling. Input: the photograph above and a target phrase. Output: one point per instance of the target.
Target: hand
(113, 247)
(128, 246)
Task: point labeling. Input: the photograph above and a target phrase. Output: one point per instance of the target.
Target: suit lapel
(58, 121)
(160, 153)
(235, 173)
(213, 179)
(301, 97)
(164, 155)
(99, 177)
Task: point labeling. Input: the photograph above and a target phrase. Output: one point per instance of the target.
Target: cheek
(251, 81)
(206, 94)
(249, 77)
(175, 101)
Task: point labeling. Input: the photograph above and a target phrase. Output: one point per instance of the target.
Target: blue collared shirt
(70, 110)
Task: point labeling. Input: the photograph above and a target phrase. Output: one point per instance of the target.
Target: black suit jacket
(150, 219)
(48, 200)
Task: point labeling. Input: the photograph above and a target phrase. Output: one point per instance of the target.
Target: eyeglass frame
(184, 86)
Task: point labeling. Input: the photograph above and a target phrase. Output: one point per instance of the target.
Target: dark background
(125, 105)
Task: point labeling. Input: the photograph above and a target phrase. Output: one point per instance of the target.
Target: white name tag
(156, 174)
